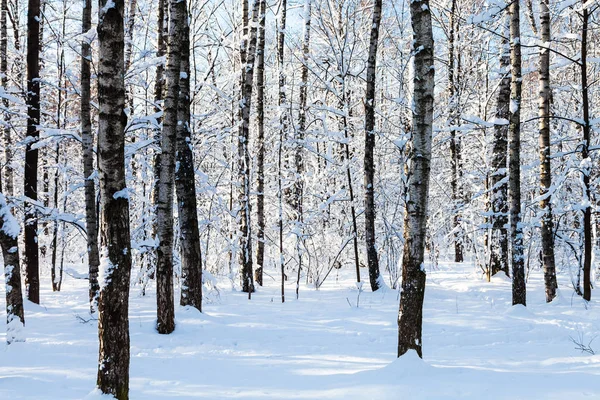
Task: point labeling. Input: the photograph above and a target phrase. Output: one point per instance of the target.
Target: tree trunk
(587, 212)
(546, 228)
(499, 198)
(9, 235)
(283, 127)
(454, 141)
(6, 176)
(514, 166)
(191, 258)
(164, 214)
(31, 261)
(260, 160)
(248, 54)
(369, 163)
(410, 318)
(301, 135)
(87, 139)
(115, 242)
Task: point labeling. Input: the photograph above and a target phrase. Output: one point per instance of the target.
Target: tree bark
(499, 188)
(31, 261)
(115, 243)
(369, 163)
(410, 318)
(283, 128)
(514, 166)
(260, 159)
(9, 235)
(455, 145)
(587, 212)
(248, 54)
(164, 214)
(546, 228)
(185, 182)
(300, 137)
(87, 138)
(6, 176)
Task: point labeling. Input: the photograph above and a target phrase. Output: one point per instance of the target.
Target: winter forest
(300, 199)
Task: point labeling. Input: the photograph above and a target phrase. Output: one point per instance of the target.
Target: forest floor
(475, 344)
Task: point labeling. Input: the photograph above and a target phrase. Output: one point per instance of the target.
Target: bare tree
(547, 231)
(185, 183)
(260, 159)
(164, 213)
(514, 165)
(9, 235)
(369, 163)
(455, 142)
(248, 55)
(410, 318)
(499, 188)
(31, 261)
(115, 244)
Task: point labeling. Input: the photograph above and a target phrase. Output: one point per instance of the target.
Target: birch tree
(164, 213)
(514, 166)
(189, 235)
(369, 163)
(547, 226)
(115, 244)
(9, 235)
(410, 317)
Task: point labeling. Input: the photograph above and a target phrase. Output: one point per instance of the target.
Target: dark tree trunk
(87, 138)
(499, 188)
(9, 235)
(31, 261)
(185, 183)
(164, 213)
(369, 163)
(514, 166)
(410, 318)
(260, 159)
(115, 242)
(546, 228)
(587, 212)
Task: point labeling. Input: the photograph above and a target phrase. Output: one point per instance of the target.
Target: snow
(475, 344)
(10, 225)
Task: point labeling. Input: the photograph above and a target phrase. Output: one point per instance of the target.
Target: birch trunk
(369, 163)
(499, 188)
(260, 160)
(410, 318)
(248, 55)
(9, 235)
(514, 166)
(164, 214)
(6, 176)
(185, 182)
(455, 146)
(301, 135)
(115, 242)
(546, 228)
(283, 125)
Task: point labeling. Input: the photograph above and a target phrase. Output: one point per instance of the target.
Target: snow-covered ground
(476, 346)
